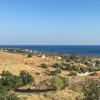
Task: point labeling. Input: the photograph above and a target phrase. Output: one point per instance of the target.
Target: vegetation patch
(59, 82)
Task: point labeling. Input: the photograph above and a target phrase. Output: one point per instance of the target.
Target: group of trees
(11, 82)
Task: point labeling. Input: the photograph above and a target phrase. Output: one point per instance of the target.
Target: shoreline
(17, 50)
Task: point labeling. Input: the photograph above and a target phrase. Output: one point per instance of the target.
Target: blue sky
(59, 22)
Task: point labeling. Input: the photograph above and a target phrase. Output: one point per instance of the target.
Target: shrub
(91, 90)
(59, 82)
(29, 55)
(96, 68)
(6, 73)
(26, 77)
(3, 92)
(84, 70)
(56, 65)
(12, 97)
(78, 98)
(5, 95)
(43, 66)
(55, 72)
(10, 81)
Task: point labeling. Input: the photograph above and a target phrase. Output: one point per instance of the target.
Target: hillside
(15, 63)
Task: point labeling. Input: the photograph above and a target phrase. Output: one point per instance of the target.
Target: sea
(62, 49)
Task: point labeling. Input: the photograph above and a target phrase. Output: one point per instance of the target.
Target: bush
(5, 95)
(10, 81)
(13, 82)
(92, 90)
(29, 55)
(43, 66)
(59, 82)
(57, 65)
(26, 77)
(95, 68)
(55, 72)
(6, 73)
(3, 92)
(12, 97)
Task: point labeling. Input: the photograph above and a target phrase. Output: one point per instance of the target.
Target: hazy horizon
(49, 22)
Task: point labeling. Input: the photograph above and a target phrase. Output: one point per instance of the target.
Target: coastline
(89, 50)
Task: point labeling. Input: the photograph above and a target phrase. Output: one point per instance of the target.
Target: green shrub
(29, 55)
(12, 97)
(3, 92)
(78, 98)
(91, 90)
(5, 95)
(10, 81)
(6, 73)
(55, 72)
(43, 66)
(26, 77)
(57, 65)
(59, 82)
(96, 68)
(83, 70)
(13, 82)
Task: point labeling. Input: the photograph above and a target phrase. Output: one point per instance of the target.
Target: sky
(49, 22)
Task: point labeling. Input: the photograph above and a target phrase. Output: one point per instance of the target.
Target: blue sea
(63, 49)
